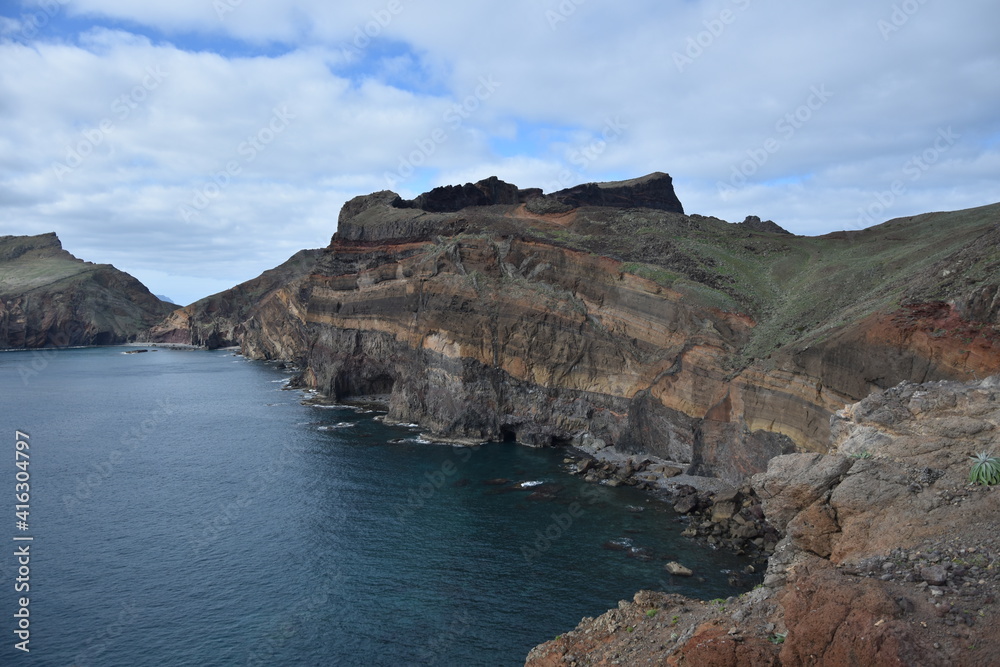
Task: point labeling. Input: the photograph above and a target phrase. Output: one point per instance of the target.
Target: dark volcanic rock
(451, 198)
(654, 191)
(49, 298)
(384, 215)
(755, 223)
(360, 204)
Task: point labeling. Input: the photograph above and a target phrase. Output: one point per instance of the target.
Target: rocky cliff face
(49, 298)
(888, 557)
(603, 314)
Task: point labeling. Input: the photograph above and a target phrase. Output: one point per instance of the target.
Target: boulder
(678, 570)
(795, 481)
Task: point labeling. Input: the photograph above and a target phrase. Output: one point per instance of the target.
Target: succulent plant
(985, 470)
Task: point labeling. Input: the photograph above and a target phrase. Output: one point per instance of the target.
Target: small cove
(190, 510)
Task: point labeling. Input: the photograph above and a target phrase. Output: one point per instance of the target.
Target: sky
(197, 143)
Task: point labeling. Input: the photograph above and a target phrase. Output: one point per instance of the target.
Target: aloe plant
(985, 470)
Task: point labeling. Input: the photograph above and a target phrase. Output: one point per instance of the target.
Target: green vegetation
(651, 613)
(985, 469)
(778, 638)
(658, 275)
(863, 454)
(799, 289)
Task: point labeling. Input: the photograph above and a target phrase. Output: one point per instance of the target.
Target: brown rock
(49, 298)
(711, 644)
(678, 570)
(833, 620)
(795, 481)
(686, 504)
(814, 529)
(723, 511)
(935, 575)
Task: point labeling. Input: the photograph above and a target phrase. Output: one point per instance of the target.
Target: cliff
(49, 298)
(604, 315)
(888, 555)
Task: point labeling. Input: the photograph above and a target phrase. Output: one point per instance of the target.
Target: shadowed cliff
(49, 298)
(603, 315)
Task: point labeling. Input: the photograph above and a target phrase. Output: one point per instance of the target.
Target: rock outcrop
(889, 556)
(604, 317)
(757, 225)
(654, 191)
(49, 298)
(604, 314)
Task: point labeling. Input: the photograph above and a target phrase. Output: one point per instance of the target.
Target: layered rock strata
(888, 555)
(611, 318)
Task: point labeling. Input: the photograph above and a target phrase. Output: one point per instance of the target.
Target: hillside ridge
(707, 343)
(50, 298)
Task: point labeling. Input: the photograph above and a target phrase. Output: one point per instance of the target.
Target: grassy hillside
(47, 294)
(796, 287)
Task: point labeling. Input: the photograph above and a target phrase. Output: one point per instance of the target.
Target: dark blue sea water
(187, 510)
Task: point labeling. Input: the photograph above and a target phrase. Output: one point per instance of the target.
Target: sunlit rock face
(604, 314)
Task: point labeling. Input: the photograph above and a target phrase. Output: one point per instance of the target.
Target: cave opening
(380, 384)
(348, 386)
(103, 338)
(561, 441)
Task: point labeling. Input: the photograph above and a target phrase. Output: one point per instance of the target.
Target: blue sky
(197, 143)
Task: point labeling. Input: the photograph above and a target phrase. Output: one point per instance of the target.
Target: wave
(334, 427)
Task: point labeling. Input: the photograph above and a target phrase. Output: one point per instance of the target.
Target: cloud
(210, 140)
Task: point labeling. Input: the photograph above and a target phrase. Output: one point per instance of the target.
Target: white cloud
(170, 101)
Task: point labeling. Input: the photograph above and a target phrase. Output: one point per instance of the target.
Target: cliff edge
(49, 298)
(888, 555)
(604, 316)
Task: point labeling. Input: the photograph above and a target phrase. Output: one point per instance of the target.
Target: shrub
(985, 469)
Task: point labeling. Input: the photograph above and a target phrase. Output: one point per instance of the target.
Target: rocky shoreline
(883, 535)
(887, 555)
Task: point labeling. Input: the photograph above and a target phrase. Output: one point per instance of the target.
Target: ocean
(186, 508)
